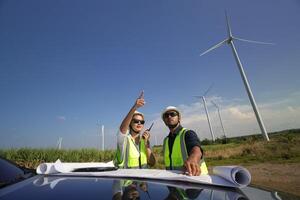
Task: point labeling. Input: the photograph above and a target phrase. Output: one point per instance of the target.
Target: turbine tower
(206, 111)
(229, 41)
(102, 128)
(155, 140)
(219, 117)
(59, 141)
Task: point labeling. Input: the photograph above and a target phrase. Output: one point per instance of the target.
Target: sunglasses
(136, 121)
(171, 114)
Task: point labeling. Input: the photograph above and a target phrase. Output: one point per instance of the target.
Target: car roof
(60, 187)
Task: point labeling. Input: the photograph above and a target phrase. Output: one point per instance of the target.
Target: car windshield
(44, 187)
(89, 181)
(11, 173)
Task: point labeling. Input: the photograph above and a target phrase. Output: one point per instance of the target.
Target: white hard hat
(138, 113)
(170, 108)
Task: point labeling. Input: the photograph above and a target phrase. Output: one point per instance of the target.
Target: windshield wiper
(95, 169)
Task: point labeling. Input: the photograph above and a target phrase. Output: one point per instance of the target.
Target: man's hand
(192, 163)
(192, 167)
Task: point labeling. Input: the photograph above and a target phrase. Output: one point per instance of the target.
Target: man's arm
(126, 121)
(192, 163)
(194, 153)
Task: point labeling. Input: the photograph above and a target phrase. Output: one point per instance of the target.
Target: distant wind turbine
(101, 134)
(102, 128)
(229, 41)
(219, 117)
(59, 141)
(155, 140)
(206, 111)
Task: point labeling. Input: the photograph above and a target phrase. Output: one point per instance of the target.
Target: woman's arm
(126, 121)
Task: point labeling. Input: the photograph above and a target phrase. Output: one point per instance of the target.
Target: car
(19, 183)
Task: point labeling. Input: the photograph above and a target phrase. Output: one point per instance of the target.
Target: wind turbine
(102, 128)
(229, 41)
(59, 141)
(219, 117)
(155, 140)
(101, 137)
(206, 111)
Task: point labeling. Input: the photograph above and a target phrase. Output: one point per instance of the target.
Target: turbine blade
(214, 104)
(208, 89)
(214, 47)
(197, 96)
(253, 41)
(228, 25)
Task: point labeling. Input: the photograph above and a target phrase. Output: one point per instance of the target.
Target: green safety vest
(133, 156)
(179, 153)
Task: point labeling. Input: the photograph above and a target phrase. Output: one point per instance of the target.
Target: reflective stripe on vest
(131, 154)
(179, 153)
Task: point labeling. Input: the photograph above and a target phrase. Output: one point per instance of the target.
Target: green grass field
(31, 158)
(283, 147)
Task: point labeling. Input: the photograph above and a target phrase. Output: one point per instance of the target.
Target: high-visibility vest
(133, 156)
(179, 153)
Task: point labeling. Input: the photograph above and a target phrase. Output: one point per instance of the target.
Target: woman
(134, 151)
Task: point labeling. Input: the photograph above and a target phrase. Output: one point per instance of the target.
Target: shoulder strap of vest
(184, 153)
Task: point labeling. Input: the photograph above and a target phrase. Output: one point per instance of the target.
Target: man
(182, 150)
(133, 150)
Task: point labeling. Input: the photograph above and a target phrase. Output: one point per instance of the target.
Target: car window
(9, 172)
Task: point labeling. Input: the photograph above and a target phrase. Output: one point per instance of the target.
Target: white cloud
(237, 116)
(293, 109)
(61, 118)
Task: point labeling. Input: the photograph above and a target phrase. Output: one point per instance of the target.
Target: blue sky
(66, 65)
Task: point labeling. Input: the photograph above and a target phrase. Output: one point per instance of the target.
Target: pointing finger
(141, 95)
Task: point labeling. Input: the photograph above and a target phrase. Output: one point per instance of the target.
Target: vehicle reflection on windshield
(129, 189)
(51, 181)
(176, 193)
(133, 189)
(179, 193)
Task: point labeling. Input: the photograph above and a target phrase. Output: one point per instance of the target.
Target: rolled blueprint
(69, 167)
(238, 175)
(46, 168)
(60, 167)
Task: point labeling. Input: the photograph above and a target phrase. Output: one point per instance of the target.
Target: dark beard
(172, 126)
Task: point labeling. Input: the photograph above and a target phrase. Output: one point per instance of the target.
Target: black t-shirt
(191, 140)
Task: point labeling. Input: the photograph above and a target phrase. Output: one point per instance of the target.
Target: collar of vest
(178, 129)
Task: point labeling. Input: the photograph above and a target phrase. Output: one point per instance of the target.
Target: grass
(284, 147)
(31, 158)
